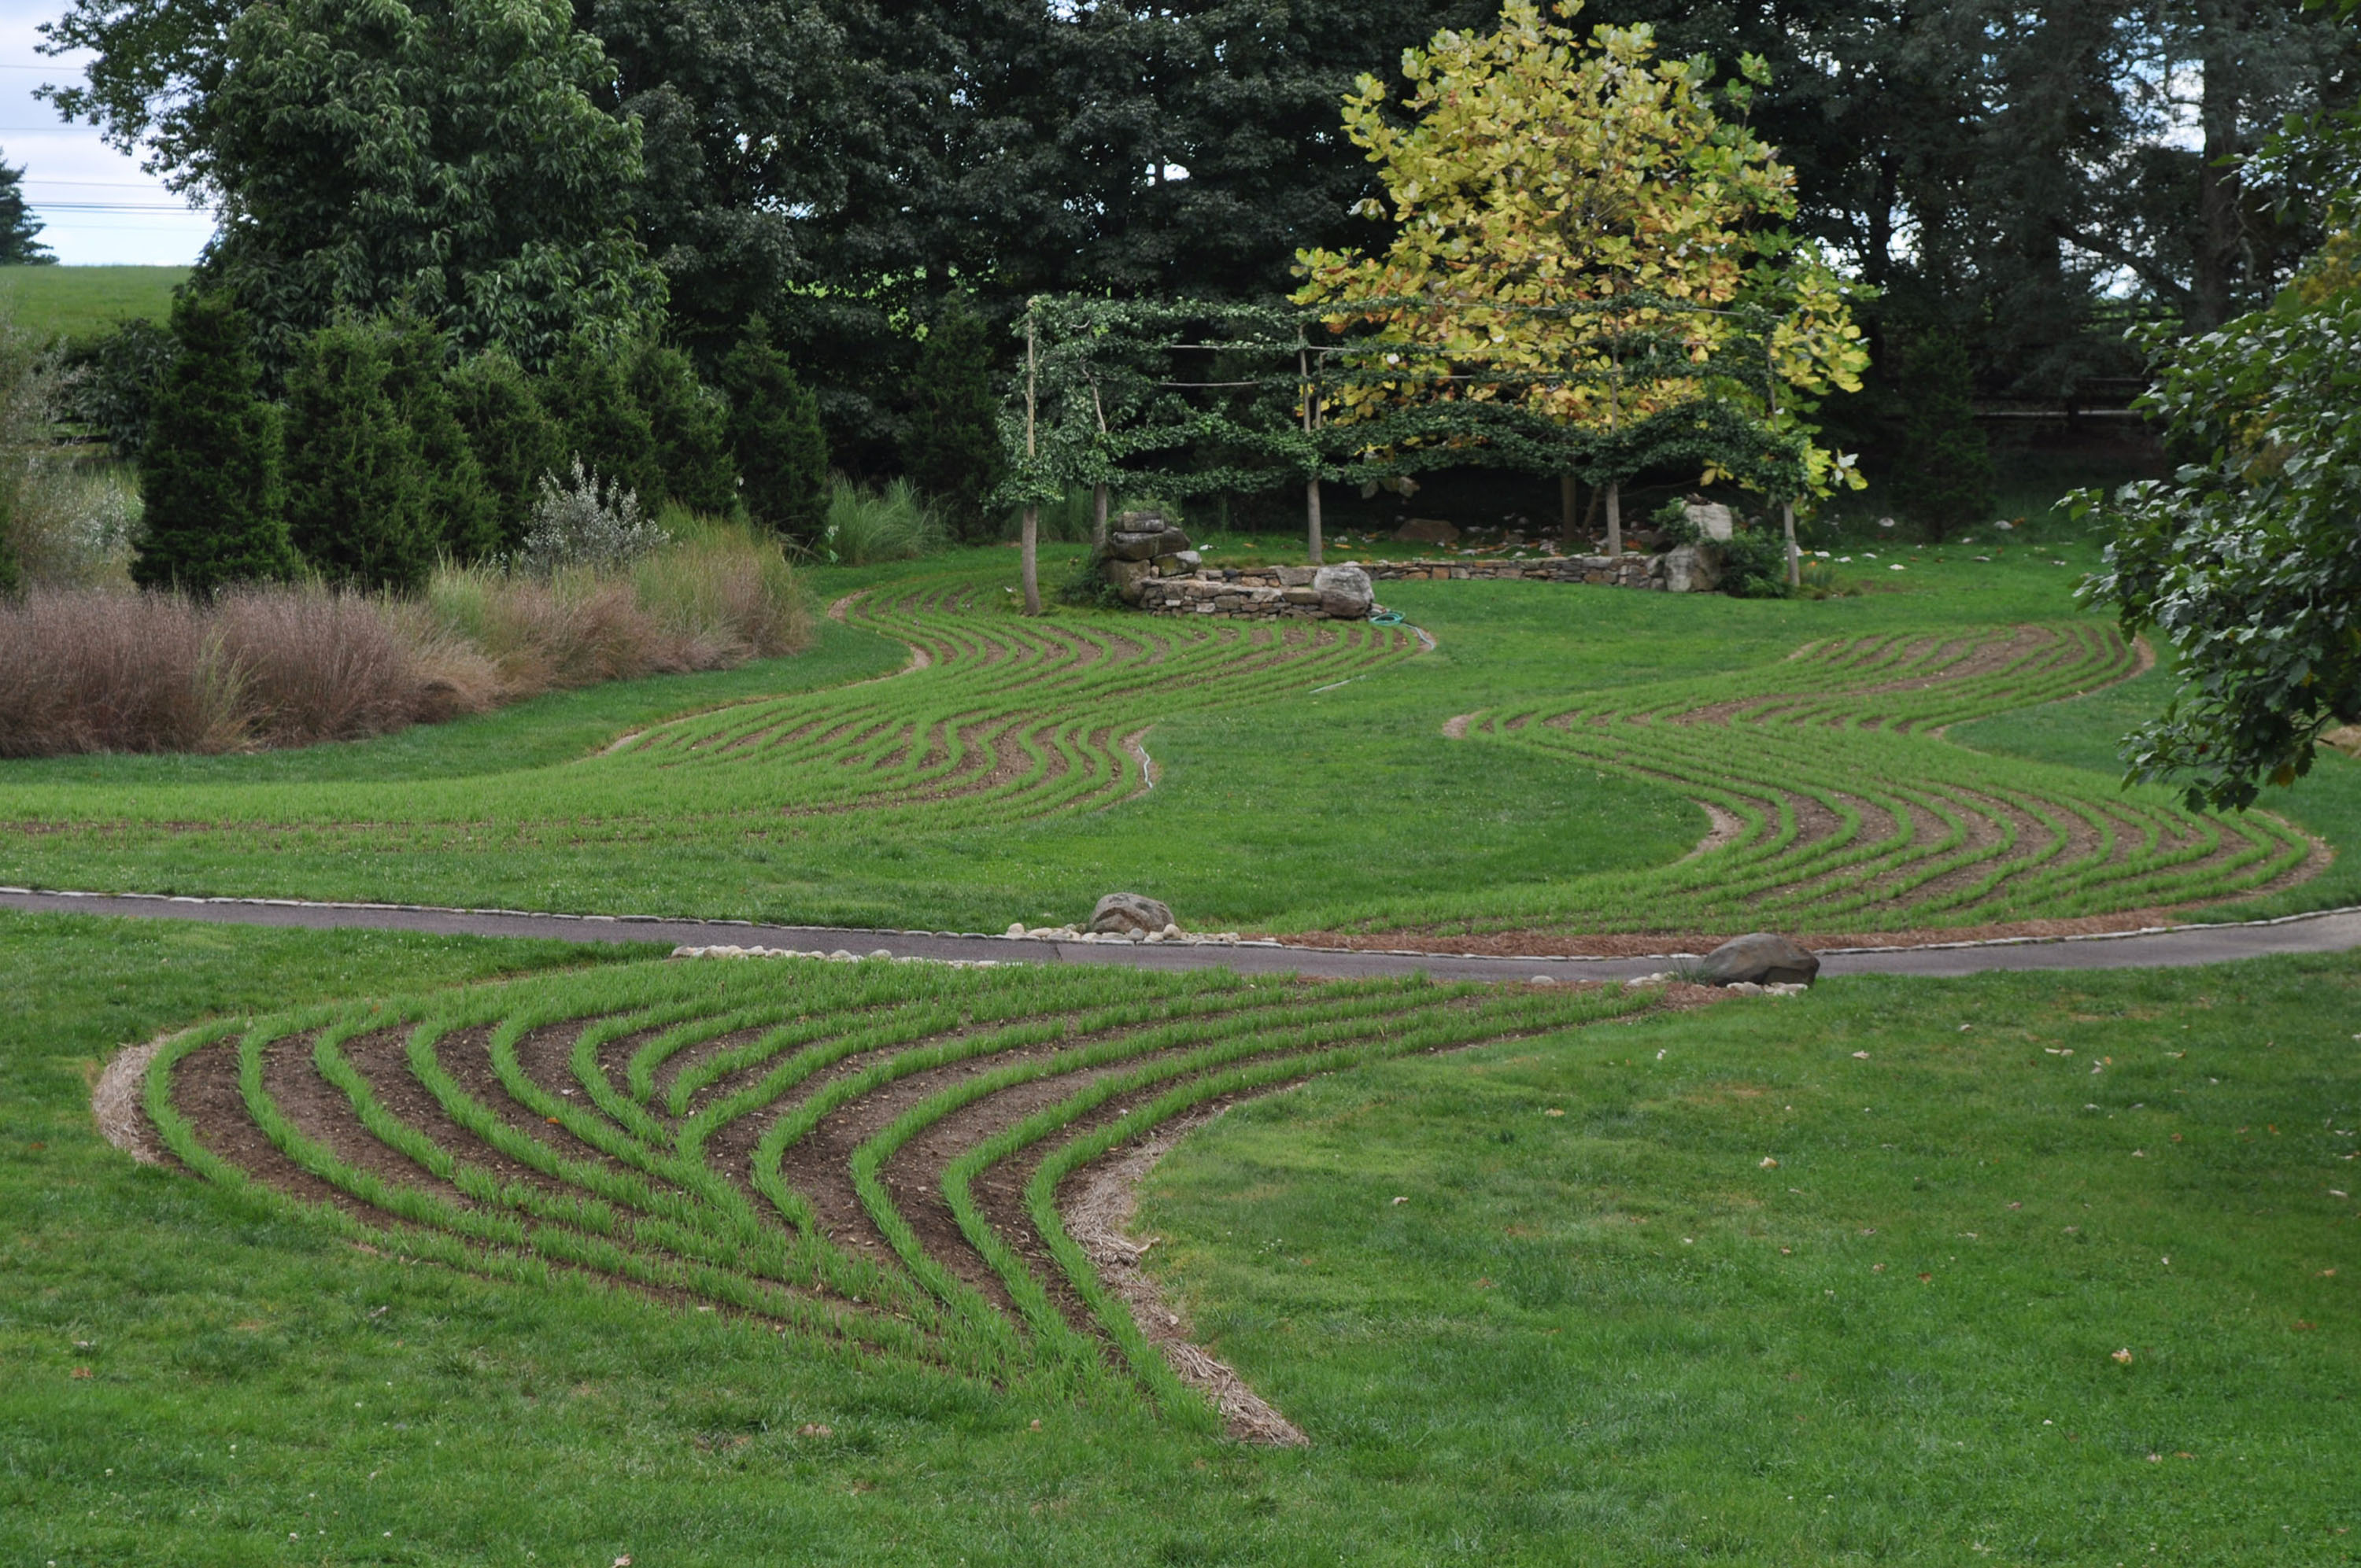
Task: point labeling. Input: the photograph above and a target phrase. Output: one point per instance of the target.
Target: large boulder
(1127, 546)
(1760, 959)
(1128, 914)
(1712, 520)
(1345, 591)
(1689, 570)
(1128, 578)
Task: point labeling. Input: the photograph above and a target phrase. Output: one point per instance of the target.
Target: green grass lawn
(1612, 1335)
(76, 302)
(1280, 813)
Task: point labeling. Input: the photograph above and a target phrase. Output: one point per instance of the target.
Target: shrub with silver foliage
(581, 524)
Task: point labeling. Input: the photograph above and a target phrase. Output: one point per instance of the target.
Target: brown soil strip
(1640, 945)
(1097, 1206)
(1727, 829)
(1456, 726)
(205, 1089)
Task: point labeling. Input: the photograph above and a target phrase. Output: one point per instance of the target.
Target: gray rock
(1127, 546)
(1179, 564)
(1712, 519)
(1689, 570)
(1345, 591)
(1760, 959)
(1150, 522)
(1124, 913)
(1128, 577)
(1296, 576)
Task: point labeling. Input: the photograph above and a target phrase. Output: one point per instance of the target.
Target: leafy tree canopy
(443, 156)
(2248, 558)
(1579, 230)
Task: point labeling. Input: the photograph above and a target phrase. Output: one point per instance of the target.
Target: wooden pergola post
(1031, 536)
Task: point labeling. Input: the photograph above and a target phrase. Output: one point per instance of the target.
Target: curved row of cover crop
(868, 1154)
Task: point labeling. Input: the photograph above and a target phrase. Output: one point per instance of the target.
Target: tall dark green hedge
(514, 440)
(209, 470)
(458, 503)
(953, 450)
(588, 392)
(690, 427)
(359, 497)
(774, 433)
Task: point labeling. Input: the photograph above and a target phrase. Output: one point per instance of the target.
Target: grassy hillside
(1882, 1273)
(69, 302)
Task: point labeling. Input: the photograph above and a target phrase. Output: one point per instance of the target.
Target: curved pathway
(2331, 931)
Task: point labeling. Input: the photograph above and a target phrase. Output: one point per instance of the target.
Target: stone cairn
(1151, 564)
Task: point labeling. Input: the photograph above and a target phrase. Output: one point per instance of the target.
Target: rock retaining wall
(1151, 565)
(1682, 570)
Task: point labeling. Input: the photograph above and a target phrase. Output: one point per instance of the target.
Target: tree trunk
(1615, 519)
(1312, 543)
(1568, 492)
(1031, 553)
(2219, 236)
(1795, 557)
(1098, 516)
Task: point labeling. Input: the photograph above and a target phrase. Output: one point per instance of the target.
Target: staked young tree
(954, 451)
(775, 433)
(512, 437)
(359, 496)
(210, 469)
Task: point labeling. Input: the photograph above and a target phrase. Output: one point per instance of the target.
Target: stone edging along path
(2326, 931)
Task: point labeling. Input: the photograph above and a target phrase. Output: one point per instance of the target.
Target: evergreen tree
(774, 433)
(514, 440)
(1942, 475)
(459, 503)
(589, 395)
(953, 449)
(359, 495)
(691, 429)
(210, 469)
(18, 227)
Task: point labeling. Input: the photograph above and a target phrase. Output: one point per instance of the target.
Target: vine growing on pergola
(1180, 399)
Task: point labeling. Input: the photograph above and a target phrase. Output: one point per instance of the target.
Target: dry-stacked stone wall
(1152, 565)
(1682, 570)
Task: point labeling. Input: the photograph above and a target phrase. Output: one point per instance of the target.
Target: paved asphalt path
(2335, 931)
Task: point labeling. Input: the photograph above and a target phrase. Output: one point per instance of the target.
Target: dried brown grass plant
(115, 670)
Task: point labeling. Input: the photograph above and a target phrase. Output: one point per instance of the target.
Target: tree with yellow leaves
(1580, 232)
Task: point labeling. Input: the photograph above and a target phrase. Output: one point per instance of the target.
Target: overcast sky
(99, 207)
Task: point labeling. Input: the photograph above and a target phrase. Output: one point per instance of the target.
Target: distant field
(71, 300)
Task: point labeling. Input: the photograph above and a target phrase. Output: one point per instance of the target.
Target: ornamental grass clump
(294, 664)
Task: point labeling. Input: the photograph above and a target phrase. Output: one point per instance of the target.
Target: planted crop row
(1844, 805)
(999, 720)
(823, 1172)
